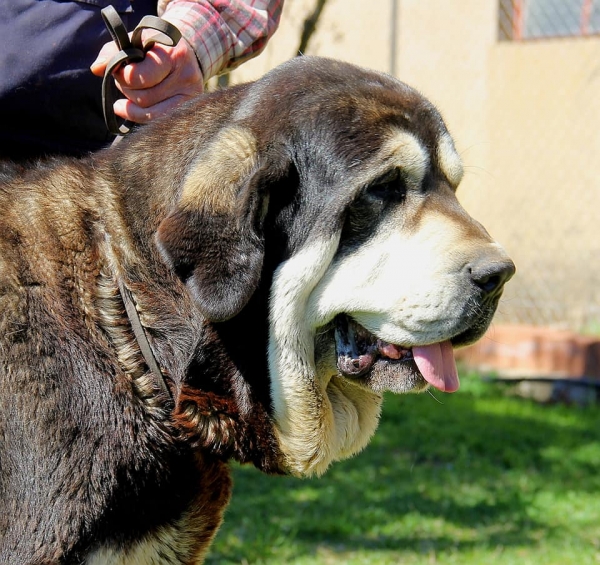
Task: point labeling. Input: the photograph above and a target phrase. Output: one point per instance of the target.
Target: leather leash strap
(130, 51)
(140, 336)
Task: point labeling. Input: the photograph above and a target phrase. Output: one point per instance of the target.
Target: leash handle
(130, 51)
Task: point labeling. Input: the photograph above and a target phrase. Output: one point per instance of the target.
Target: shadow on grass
(437, 477)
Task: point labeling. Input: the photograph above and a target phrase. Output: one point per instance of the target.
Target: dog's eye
(390, 185)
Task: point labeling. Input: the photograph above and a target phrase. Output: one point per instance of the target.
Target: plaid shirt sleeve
(223, 33)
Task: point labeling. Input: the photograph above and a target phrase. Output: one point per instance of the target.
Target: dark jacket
(50, 102)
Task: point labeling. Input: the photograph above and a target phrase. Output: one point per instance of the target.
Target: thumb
(104, 56)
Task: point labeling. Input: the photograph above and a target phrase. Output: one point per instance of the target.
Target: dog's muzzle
(364, 358)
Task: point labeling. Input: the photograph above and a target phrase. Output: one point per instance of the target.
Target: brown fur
(220, 220)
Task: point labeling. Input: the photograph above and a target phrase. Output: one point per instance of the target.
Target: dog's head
(332, 189)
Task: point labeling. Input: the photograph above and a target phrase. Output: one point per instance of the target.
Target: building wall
(525, 117)
(346, 30)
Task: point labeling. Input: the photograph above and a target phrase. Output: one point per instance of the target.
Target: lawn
(478, 477)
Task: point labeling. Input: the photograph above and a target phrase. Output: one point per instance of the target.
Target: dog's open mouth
(386, 366)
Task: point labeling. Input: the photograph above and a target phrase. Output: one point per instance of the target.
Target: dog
(291, 249)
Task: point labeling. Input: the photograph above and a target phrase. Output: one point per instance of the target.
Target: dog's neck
(228, 418)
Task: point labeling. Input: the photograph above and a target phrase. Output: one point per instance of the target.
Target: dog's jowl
(242, 280)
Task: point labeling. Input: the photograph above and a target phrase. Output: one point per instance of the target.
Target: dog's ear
(213, 238)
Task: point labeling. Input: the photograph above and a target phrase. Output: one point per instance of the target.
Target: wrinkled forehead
(397, 127)
(403, 147)
(352, 121)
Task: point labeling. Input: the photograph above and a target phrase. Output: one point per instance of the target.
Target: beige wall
(346, 31)
(526, 120)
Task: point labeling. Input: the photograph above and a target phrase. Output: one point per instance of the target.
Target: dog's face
(339, 193)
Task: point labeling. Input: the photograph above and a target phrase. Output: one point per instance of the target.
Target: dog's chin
(397, 376)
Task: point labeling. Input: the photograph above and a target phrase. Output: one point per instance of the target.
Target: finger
(149, 72)
(128, 110)
(172, 86)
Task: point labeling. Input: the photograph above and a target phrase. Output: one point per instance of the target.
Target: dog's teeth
(391, 351)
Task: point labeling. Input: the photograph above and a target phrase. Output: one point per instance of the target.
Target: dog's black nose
(490, 276)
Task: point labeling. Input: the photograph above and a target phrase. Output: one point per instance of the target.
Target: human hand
(165, 78)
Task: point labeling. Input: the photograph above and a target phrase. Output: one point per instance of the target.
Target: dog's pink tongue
(437, 365)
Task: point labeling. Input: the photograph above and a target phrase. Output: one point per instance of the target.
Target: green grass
(483, 478)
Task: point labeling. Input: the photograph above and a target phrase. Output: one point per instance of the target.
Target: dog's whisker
(434, 397)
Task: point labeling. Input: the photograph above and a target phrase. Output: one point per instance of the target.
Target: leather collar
(142, 340)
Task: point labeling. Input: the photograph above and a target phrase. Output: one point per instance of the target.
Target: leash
(130, 51)
(142, 340)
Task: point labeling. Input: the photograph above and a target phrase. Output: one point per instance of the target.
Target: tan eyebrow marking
(408, 153)
(449, 160)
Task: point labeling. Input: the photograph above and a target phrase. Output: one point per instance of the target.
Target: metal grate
(534, 19)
